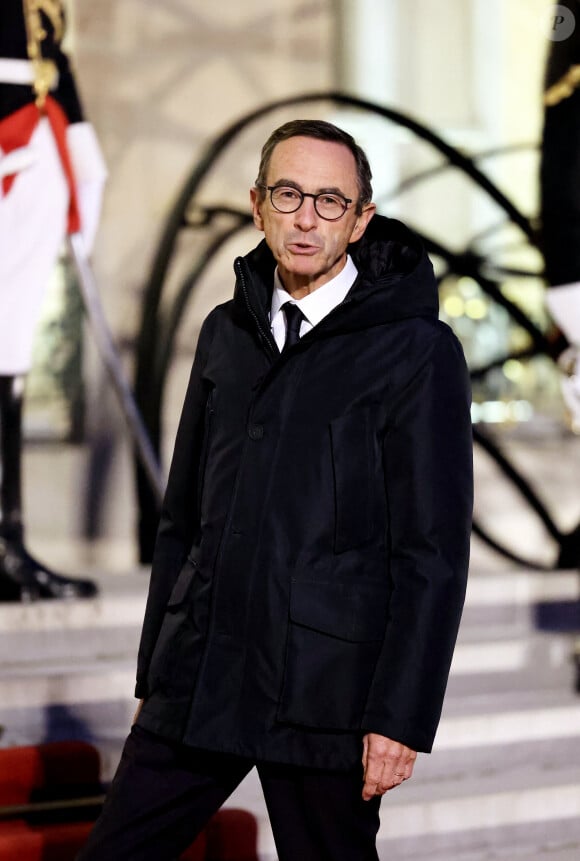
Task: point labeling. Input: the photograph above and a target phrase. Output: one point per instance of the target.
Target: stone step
(502, 778)
(485, 804)
(523, 600)
(64, 658)
(531, 662)
(473, 794)
(558, 840)
(74, 665)
(499, 607)
(520, 586)
(510, 594)
(507, 670)
(527, 722)
(86, 681)
(110, 623)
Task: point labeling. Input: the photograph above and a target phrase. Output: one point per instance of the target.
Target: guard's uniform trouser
(164, 793)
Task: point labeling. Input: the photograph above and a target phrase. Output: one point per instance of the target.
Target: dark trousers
(164, 793)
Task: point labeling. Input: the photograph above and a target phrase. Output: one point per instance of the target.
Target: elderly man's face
(309, 250)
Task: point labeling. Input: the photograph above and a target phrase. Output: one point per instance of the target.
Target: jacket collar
(396, 281)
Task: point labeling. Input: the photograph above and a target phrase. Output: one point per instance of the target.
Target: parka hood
(395, 281)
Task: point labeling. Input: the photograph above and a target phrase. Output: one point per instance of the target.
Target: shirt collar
(316, 305)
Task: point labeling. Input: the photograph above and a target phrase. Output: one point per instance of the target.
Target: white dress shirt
(315, 306)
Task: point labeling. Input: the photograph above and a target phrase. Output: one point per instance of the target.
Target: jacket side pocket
(334, 639)
(166, 673)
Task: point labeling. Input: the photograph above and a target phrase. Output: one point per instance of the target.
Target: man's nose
(306, 217)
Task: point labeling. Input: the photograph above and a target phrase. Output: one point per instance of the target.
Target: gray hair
(323, 131)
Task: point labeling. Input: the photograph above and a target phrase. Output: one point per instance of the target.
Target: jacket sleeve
(428, 468)
(177, 527)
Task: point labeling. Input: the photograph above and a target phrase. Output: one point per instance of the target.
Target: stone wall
(159, 80)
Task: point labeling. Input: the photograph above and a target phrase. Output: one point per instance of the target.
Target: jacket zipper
(265, 336)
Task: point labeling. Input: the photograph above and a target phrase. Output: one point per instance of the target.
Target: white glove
(564, 305)
(90, 174)
(16, 160)
(569, 363)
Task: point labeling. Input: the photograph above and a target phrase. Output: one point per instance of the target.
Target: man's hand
(139, 707)
(386, 764)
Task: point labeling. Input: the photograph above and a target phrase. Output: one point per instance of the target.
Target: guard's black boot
(22, 578)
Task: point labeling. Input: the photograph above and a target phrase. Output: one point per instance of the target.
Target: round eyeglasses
(328, 205)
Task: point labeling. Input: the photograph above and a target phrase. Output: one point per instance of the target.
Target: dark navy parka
(311, 561)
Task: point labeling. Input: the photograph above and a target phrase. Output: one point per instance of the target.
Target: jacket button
(256, 431)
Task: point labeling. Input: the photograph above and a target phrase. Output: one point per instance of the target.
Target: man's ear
(362, 222)
(256, 202)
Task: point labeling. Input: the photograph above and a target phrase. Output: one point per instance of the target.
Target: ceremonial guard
(560, 194)
(51, 179)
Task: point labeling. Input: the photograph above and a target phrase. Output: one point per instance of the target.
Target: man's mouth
(302, 248)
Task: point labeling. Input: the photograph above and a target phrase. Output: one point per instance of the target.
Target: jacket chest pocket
(354, 469)
(207, 430)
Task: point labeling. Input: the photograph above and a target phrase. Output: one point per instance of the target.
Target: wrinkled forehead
(314, 165)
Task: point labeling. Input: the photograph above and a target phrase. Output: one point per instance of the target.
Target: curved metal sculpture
(157, 331)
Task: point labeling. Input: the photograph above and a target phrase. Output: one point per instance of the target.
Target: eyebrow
(290, 183)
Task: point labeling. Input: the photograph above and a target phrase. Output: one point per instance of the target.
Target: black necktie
(294, 318)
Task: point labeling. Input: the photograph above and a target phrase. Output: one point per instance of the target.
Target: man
(51, 179)
(311, 559)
